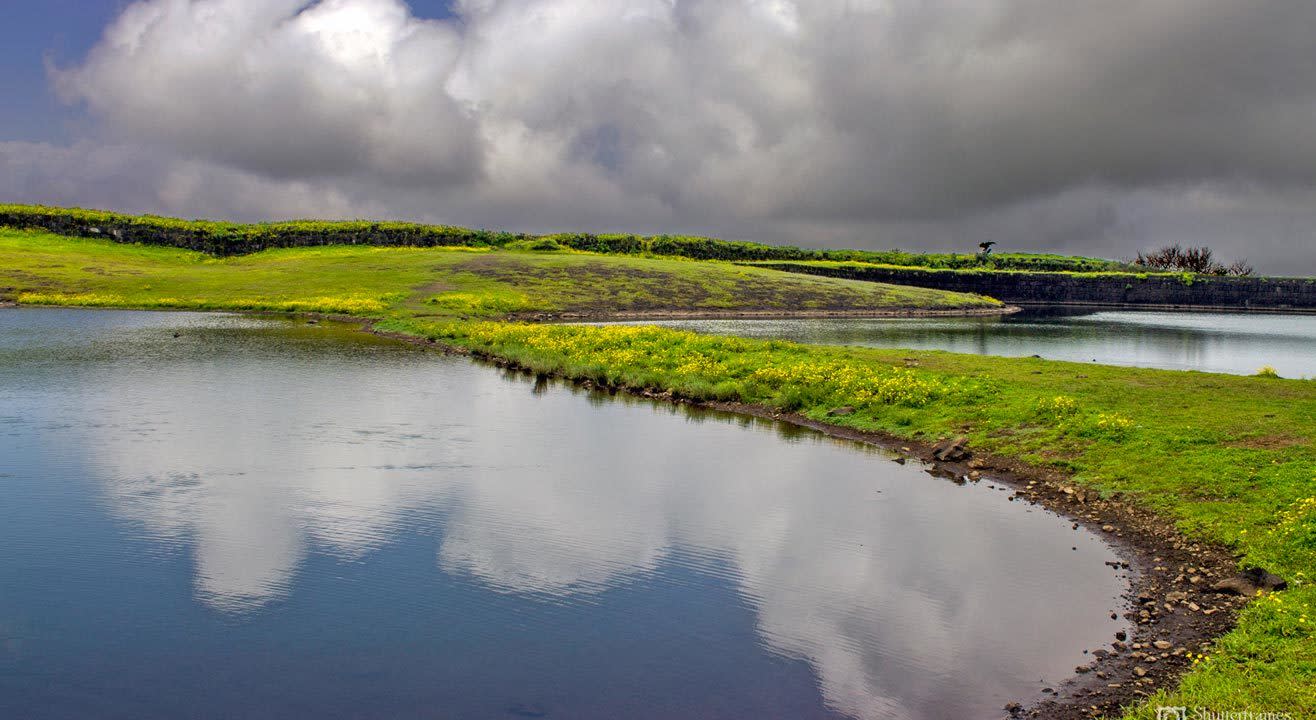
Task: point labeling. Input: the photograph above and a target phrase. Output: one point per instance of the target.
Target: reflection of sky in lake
(1211, 342)
(360, 500)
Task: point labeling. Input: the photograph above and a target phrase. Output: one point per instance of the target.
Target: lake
(1235, 343)
(214, 516)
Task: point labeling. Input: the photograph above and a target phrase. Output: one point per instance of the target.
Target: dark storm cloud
(965, 113)
(1097, 127)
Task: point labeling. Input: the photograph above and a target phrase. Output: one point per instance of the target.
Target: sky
(1071, 126)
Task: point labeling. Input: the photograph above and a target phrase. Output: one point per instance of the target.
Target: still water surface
(1211, 342)
(263, 519)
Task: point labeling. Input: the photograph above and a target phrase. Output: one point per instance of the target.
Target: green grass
(1230, 460)
(40, 268)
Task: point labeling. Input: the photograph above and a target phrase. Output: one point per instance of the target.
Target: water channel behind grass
(1234, 343)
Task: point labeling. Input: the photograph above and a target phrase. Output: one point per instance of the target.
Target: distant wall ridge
(1167, 290)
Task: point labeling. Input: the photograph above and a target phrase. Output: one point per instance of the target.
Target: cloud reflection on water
(890, 584)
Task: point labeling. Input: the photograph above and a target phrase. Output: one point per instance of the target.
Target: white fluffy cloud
(860, 122)
(285, 90)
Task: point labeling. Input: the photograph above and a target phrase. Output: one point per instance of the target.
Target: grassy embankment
(1230, 460)
(39, 268)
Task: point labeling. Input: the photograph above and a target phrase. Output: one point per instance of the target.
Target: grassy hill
(41, 268)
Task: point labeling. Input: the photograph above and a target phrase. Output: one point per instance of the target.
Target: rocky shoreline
(1173, 610)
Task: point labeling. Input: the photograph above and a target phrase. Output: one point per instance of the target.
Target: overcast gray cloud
(1097, 127)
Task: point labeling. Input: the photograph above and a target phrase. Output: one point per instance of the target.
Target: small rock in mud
(1249, 582)
(951, 450)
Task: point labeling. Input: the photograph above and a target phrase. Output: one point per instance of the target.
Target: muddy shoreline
(1171, 610)
(1171, 576)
